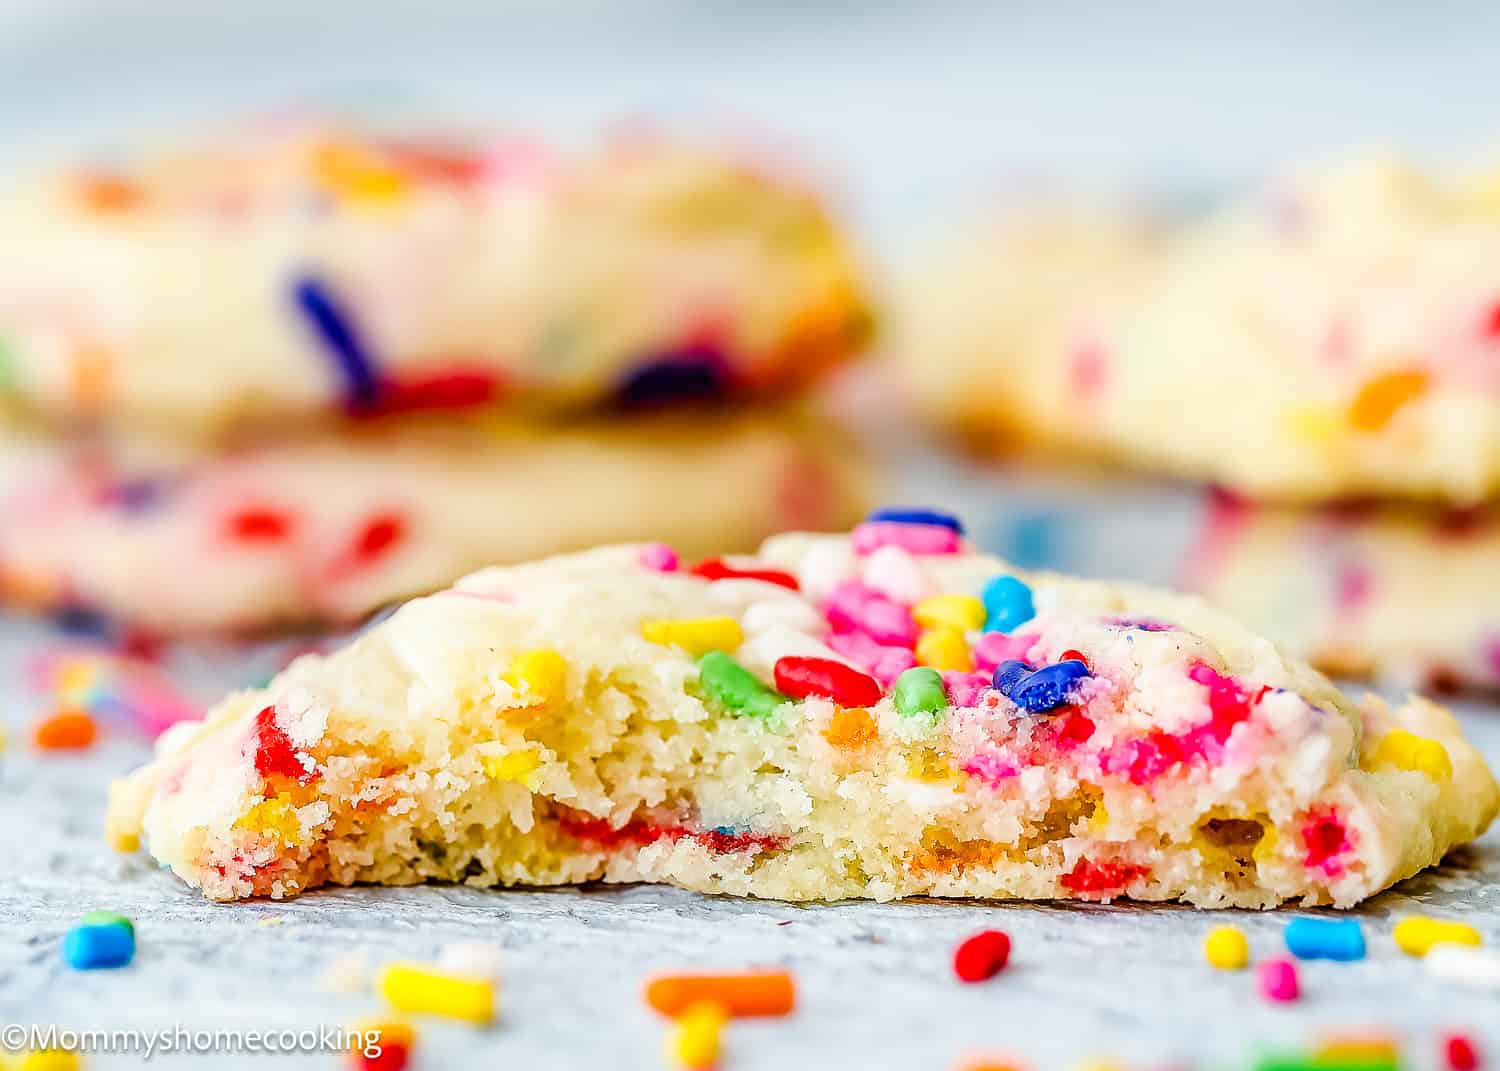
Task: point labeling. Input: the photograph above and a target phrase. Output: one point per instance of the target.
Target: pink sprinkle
(994, 770)
(883, 663)
(1278, 980)
(913, 538)
(1327, 839)
(659, 558)
(856, 607)
(965, 689)
(1087, 365)
(1352, 588)
(996, 647)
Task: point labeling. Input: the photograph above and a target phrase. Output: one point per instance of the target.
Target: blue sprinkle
(725, 831)
(1039, 690)
(1035, 540)
(1007, 602)
(1336, 939)
(75, 620)
(340, 339)
(695, 373)
(898, 515)
(109, 945)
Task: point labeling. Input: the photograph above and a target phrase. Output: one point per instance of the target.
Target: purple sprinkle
(695, 373)
(1141, 624)
(137, 495)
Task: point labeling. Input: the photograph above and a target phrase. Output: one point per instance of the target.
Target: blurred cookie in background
(1409, 596)
(297, 272)
(327, 527)
(1335, 334)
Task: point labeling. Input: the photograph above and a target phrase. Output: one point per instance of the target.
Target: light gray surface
(876, 989)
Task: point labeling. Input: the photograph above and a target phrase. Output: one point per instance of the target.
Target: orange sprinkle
(852, 727)
(90, 374)
(109, 194)
(743, 994)
(989, 1062)
(65, 730)
(1381, 398)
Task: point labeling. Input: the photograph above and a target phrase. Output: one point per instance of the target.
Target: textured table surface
(876, 989)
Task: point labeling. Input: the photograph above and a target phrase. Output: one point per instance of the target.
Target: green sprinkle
(919, 690)
(108, 918)
(735, 686)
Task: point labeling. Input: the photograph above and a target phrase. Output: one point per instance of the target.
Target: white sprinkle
(796, 615)
(476, 959)
(896, 575)
(1477, 968)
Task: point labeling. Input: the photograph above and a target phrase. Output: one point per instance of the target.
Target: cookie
(328, 527)
(1336, 335)
(298, 274)
(1410, 596)
(882, 714)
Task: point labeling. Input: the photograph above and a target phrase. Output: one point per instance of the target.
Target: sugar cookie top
(312, 271)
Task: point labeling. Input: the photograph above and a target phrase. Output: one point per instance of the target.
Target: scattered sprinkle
(1460, 1053)
(919, 690)
(695, 1039)
(1226, 948)
(695, 635)
(67, 730)
(1416, 934)
(800, 677)
(421, 990)
(1039, 690)
(748, 993)
(1007, 604)
(110, 944)
(735, 687)
(539, 677)
(901, 515)
(981, 956)
(919, 539)
(1335, 939)
(719, 569)
(1277, 979)
(659, 557)
(1476, 968)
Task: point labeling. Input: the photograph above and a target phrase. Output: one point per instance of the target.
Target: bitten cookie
(328, 527)
(1412, 596)
(295, 274)
(881, 714)
(1336, 334)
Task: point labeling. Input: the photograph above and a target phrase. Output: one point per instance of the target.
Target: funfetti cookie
(1411, 596)
(329, 527)
(881, 714)
(305, 273)
(1335, 334)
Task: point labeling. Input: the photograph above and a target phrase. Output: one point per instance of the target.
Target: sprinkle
(851, 727)
(67, 730)
(919, 690)
(659, 558)
(258, 524)
(694, 1040)
(107, 918)
(1277, 979)
(110, 945)
(1367, 1051)
(1335, 939)
(740, 995)
(411, 987)
(1007, 603)
(1039, 690)
(1460, 1053)
(735, 687)
(1476, 968)
(1381, 398)
(992, 648)
(695, 635)
(918, 539)
(1402, 750)
(945, 648)
(962, 612)
(897, 515)
(51, 1060)
(884, 663)
(989, 1062)
(540, 676)
(275, 754)
(801, 677)
(1416, 934)
(516, 766)
(981, 956)
(719, 569)
(894, 573)
(335, 330)
(693, 373)
(379, 535)
(855, 607)
(386, 1045)
(1226, 948)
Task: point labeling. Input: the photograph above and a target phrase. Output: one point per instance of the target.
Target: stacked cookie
(1327, 352)
(306, 372)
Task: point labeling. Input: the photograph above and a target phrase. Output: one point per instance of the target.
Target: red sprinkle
(719, 569)
(1070, 655)
(1492, 321)
(1461, 1053)
(394, 1056)
(456, 389)
(275, 753)
(982, 956)
(801, 677)
(1326, 838)
(1088, 878)
(259, 524)
(379, 535)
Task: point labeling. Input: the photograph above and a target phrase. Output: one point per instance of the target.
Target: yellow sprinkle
(1406, 751)
(411, 987)
(276, 816)
(357, 175)
(1315, 424)
(694, 1040)
(1416, 934)
(1099, 820)
(695, 635)
(962, 612)
(75, 681)
(124, 841)
(1226, 948)
(945, 648)
(540, 677)
(516, 766)
(51, 1060)
(1371, 1049)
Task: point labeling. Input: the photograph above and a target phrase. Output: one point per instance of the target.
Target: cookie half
(1335, 335)
(880, 715)
(308, 273)
(329, 527)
